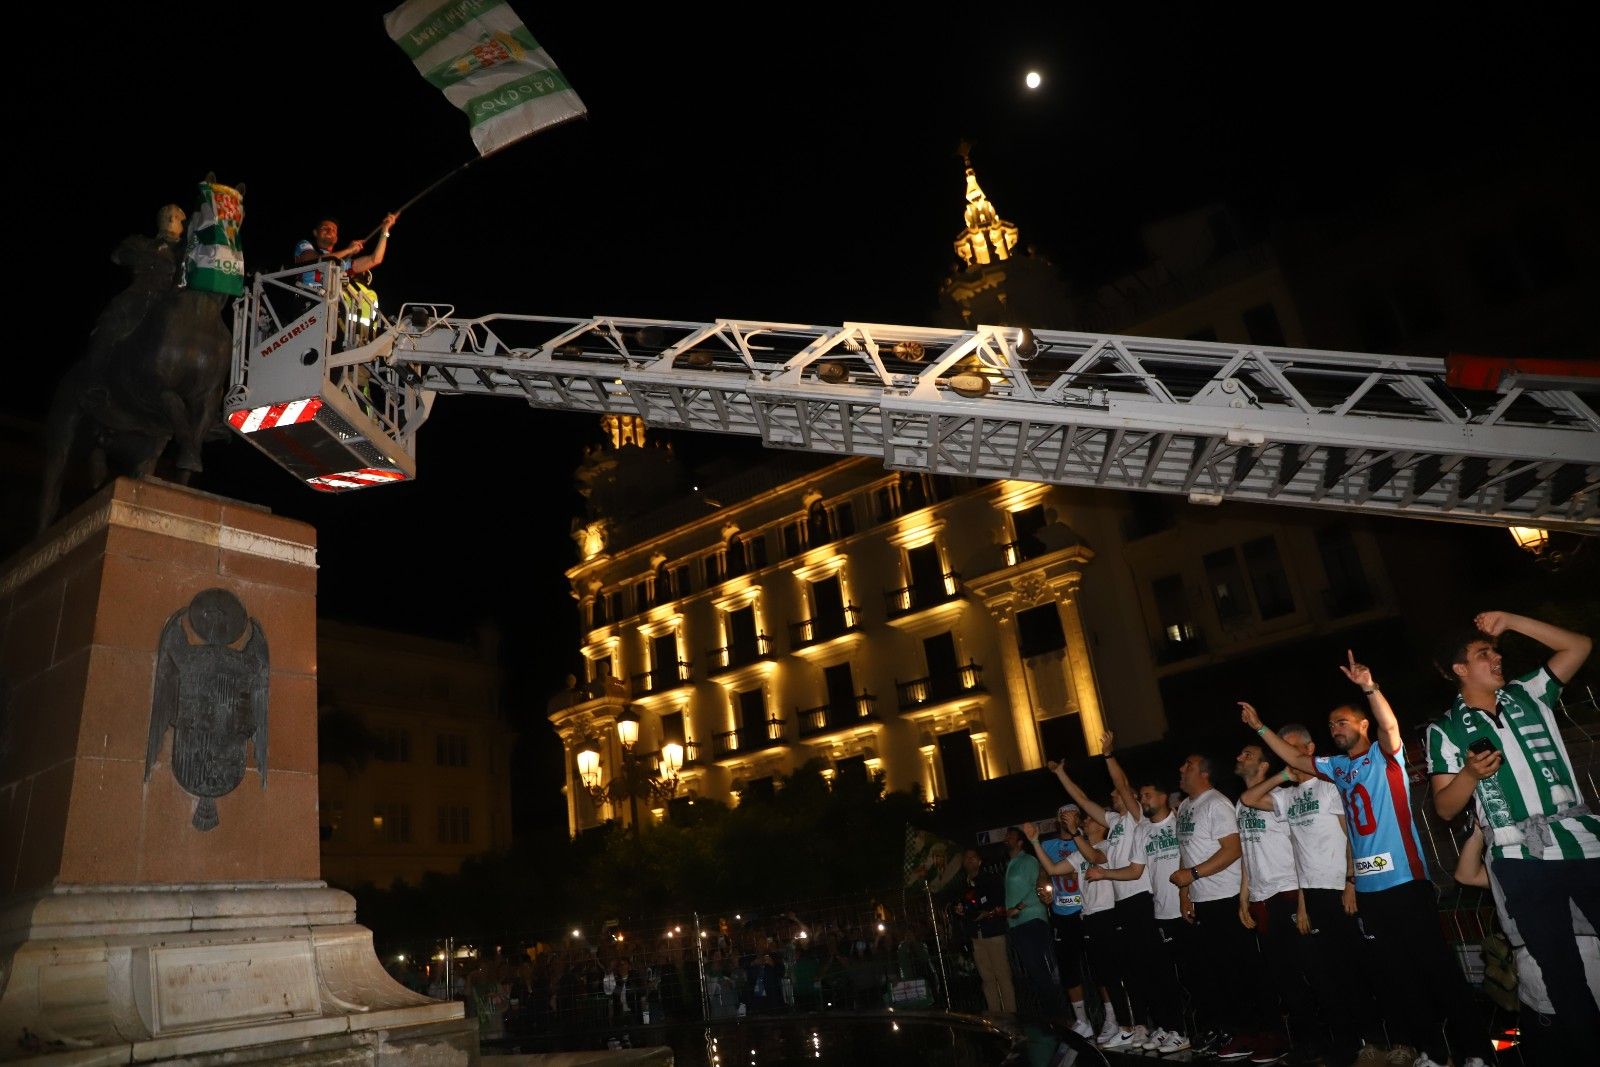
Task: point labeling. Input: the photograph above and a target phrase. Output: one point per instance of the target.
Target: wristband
(1195, 873)
(1287, 777)
(1369, 692)
(385, 233)
(1261, 731)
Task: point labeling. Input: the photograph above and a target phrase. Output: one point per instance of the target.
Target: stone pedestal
(127, 932)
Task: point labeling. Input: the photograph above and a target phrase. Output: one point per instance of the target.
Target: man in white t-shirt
(1229, 1007)
(1271, 905)
(1119, 823)
(1325, 869)
(1147, 940)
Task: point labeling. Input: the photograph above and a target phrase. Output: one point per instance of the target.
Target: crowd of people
(1302, 920)
(861, 956)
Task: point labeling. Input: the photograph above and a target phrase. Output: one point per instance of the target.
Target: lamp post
(636, 776)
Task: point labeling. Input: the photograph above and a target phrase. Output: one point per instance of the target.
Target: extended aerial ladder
(336, 392)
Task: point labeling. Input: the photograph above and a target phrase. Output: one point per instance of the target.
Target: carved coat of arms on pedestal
(214, 697)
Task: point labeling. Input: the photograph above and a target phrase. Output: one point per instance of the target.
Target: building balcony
(815, 631)
(1174, 649)
(1021, 551)
(694, 754)
(598, 694)
(734, 743)
(741, 654)
(920, 693)
(1348, 599)
(670, 676)
(911, 599)
(832, 718)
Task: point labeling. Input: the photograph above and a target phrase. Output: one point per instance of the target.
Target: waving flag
(488, 64)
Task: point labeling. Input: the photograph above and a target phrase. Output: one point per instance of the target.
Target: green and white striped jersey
(1535, 778)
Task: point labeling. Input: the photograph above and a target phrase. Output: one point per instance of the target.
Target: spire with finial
(988, 238)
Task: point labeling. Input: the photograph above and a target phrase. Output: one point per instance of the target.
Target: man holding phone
(1500, 748)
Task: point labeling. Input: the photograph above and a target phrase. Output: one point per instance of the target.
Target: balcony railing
(1172, 650)
(913, 598)
(1025, 549)
(669, 676)
(936, 688)
(740, 654)
(693, 753)
(825, 717)
(738, 742)
(823, 627)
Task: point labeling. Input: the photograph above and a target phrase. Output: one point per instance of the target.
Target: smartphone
(1480, 746)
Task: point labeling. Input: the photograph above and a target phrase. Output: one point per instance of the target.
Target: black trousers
(1152, 974)
(1068, 931)
(1229, 995)
(1420, 984)
(1179, 939)
(1289, 954)
(1100, 933)
(1038, 985)
(1348, 1007)
(1539, 895)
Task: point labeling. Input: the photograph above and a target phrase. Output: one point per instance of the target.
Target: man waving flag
(488, 64)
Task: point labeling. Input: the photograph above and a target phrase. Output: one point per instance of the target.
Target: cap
(1063, 809)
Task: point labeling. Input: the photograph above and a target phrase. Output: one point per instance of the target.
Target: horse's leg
(185, 431)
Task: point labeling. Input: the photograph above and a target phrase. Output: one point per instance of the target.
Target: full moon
(1033, 79)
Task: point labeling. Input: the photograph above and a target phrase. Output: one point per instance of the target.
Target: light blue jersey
(1377, 808)
(1068, 890)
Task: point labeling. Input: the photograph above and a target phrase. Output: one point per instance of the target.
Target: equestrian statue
(158, 359)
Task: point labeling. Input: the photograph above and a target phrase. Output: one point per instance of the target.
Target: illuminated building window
(391, 823)
(844, 519)
(1274, 598)
(455, 825)
(716, 564)
(794, 538)
(393, 745)
(1225, 579)
(450, 750)
(1180, 638)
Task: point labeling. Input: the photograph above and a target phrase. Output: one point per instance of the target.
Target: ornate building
(942, 633)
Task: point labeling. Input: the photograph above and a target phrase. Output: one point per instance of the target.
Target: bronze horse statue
(158, 360)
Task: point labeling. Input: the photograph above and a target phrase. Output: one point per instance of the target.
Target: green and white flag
(488, 64)
(213, 261)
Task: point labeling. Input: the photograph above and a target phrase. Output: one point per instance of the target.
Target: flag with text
(486, 62)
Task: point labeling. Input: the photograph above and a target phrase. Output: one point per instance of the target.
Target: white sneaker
(1083, 1030)
(1153, 1042)
(1117, 1040)
(1173, 1043)
(1108, 1031)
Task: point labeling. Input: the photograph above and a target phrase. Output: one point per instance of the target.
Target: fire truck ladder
(1207, 420)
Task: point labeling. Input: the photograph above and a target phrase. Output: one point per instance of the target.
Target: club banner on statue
(213, 261)
(486, 62)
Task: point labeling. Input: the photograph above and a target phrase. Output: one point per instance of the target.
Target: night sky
(796, 163)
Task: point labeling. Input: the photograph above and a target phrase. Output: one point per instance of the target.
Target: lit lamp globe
(1532, 538)
(671, 758)
(628, 727)
(589, 764)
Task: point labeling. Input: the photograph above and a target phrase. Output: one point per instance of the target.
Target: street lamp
(1531, 538)
(658, 782)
